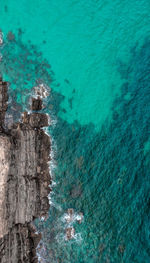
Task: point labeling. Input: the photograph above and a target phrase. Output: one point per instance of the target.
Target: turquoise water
(95, 56)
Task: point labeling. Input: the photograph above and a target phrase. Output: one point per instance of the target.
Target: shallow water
(95, 57)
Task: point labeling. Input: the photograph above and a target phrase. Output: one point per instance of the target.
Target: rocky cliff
(24, 181)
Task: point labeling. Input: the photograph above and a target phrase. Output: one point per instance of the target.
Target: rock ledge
(24, 181)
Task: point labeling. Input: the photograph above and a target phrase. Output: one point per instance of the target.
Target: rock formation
(24, 181)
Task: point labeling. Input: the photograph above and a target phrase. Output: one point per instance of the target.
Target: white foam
(1, 38)
(69, 219)
(57, 206)
(42, 218)
(78, 238)
(42, 90)
(41, 253)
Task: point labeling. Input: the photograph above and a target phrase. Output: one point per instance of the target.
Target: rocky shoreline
(24, 181)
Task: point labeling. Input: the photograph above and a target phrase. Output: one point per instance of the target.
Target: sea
(93, 56)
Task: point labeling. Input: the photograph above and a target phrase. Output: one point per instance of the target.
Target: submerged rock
(24, 182)
(70, 233)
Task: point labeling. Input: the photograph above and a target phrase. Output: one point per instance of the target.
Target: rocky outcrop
(3, 101)
(24, 181)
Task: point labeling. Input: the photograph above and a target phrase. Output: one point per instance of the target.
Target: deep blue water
(111, 170)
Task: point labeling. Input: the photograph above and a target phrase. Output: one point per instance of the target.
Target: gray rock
(24, 183)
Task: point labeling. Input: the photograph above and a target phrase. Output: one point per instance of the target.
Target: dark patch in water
(70, 102)
(64, 111)
(10, 36)
(76, 191)
(67, 81)
(6, 8)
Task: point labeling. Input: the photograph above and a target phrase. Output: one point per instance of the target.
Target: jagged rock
(35, 120)
(70, 233)
(24, 182)
(36, 104)
(19, 245)
(3, 101)
(38, 120)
